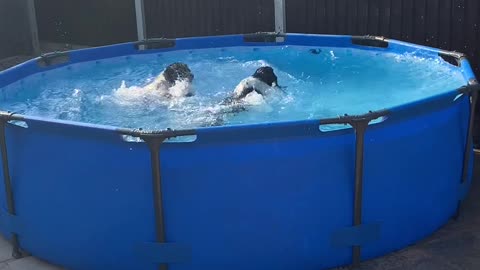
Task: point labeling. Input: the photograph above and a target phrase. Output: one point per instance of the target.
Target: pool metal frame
(472, 92)
(360, 125)
(4, 118)
(154, 139)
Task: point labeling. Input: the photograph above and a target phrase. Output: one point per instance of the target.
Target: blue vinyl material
(84, 199)
(356, 235)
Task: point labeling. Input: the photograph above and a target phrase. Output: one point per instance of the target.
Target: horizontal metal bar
(267, 37)
(168, 133)
(370, 41)
(352, 119)
(10, 116)
(155, 43)
(53, 58)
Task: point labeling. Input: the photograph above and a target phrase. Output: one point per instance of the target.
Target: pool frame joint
(155, 43)
(264, 37)
(154, 141)
(371, 41)
(53, 58)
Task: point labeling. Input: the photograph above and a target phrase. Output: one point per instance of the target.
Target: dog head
(266, 75)
(178, 72)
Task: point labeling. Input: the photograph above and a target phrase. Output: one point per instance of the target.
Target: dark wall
(14, 29)
(181, 18)
(100, 22)
(446, 24)
(86, 22)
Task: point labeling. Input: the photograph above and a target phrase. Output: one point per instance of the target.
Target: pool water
(332, 82)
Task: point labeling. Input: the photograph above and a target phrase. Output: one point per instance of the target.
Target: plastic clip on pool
(80, 196)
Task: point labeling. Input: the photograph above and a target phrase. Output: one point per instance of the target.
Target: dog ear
(169, 74)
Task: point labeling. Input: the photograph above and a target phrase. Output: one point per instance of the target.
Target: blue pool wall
(267, 196)
(83, 55)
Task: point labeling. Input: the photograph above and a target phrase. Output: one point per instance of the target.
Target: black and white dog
(261, 82)
(174, 81)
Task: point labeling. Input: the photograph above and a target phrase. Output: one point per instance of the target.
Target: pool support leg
(468, 149)
(16, 252)
(360, 128)
(154, 141)
(472, 91)
(154, 144)
(359, 124)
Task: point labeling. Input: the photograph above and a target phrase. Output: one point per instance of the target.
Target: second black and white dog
(263, 80)
(260, 83)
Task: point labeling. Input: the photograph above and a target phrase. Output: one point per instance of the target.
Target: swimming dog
(263, 80)
(260, 82)
(247, 92)
(174, 81)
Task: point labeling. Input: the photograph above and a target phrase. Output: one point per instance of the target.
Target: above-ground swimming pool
(374, 160)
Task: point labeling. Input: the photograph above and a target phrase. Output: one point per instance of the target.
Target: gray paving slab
(5, 250)
(29, 263)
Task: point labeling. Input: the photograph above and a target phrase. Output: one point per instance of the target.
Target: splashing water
(327, 83)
